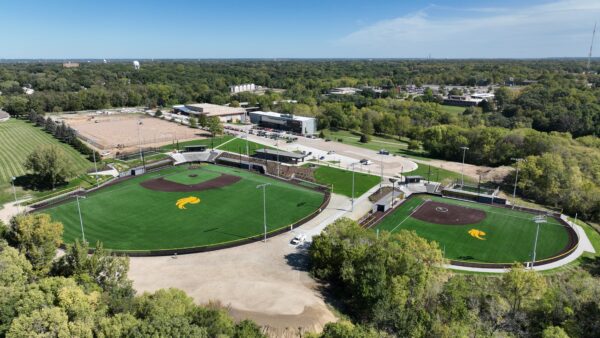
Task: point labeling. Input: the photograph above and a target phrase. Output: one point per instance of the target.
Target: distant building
(4, 116)
(224, 113)
(344, 91)
(70, 65)
(468, 100)
(28, 91)
(247, 87)
(296, 124)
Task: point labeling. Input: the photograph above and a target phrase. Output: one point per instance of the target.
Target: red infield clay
(448, 214)
(160, 184)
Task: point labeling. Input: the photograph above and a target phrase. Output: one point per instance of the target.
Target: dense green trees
(393, 285)
(89, 295)
(50, 165)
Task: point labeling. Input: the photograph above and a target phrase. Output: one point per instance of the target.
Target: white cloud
(559, 28)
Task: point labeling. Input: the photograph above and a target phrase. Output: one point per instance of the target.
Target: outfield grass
(19, 138)
(342, 180)
(238, 145)
(509, 236)
(128, 217)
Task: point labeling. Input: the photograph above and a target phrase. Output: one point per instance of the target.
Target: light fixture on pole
(518, 160)
(462, 168)
(264, 188)
(77, 197)
(12, 180)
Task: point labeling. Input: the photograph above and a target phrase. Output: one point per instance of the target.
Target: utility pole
(462, 169)
(518, 160)
(264, 188)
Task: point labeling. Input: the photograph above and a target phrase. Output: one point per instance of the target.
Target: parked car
(384, 152)
(364, 161)
(331, 152)
(298, 239)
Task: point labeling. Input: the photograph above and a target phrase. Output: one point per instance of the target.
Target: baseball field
(179, 207)
(475, 232)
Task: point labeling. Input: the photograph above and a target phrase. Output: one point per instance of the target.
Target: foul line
(415, 210)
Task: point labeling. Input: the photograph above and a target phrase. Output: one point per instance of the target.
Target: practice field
(342, 180)
(475, 232)
(19, 138)
(180, 208)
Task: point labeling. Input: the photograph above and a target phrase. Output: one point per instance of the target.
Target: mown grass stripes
(19, 138)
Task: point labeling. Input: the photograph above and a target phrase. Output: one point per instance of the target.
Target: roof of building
(212, 109)
(280, 153)
(282, 116)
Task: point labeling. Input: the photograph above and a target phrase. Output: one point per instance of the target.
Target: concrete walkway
(12, 209)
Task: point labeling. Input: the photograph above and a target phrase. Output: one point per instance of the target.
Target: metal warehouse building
(296, 124)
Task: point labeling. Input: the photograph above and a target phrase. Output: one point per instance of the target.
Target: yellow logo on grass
(182, 202)
(477, 234)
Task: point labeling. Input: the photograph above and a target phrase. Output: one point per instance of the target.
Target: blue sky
(66, 29)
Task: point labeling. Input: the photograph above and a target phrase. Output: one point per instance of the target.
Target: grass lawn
(377, 143)
(238, 145)
(509, 235)
(452, 109)
(19, 138)
(342, 180)
(129, 217)
(437, 174)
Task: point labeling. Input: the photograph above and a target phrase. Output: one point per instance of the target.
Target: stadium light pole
(95, 168)
(381, 180)
(140, 139)
(12, 181)
(264, 188)
(518, 160)
(393, 180)
(462, 168)
(80, 218)
(537, 220)
(352, 165)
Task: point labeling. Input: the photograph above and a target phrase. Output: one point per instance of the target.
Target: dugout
(279, 155)
(196, 148)
(412, 179)
(241, 164)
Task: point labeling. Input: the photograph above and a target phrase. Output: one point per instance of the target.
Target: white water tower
(136, 65)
